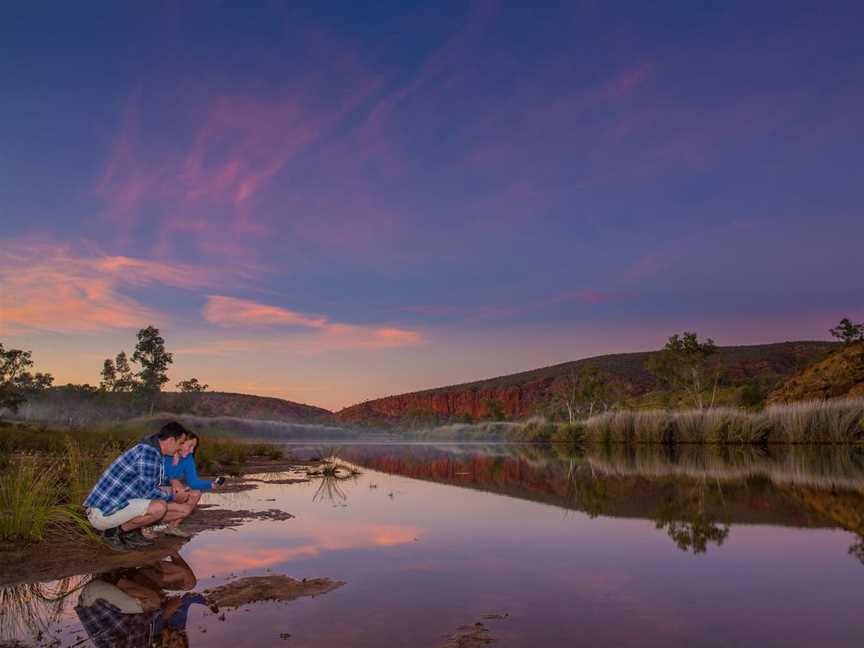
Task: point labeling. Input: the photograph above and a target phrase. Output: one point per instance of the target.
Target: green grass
(32, 500)
(46, 472)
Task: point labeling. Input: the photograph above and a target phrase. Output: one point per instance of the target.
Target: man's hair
(172, 430)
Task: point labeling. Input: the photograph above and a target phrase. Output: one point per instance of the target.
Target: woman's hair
(190, 435)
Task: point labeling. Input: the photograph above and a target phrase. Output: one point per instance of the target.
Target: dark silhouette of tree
(17, 384)
(191, 386)
(151, 356)
(109, 375)
(126, 380)
(847, 332)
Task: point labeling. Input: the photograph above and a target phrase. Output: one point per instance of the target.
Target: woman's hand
(181, 494)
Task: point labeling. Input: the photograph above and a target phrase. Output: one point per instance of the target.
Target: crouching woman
(181, 473)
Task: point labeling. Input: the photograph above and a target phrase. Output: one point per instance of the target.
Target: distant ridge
(70, 404)
(530, 392)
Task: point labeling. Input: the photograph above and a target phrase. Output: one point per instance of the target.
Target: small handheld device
(219, 480)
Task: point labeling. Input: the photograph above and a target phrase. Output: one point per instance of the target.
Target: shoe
(135, 539)
(113, 540)
(152, 532)
(177, 532)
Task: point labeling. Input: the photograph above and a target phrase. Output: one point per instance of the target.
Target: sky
(331, 202)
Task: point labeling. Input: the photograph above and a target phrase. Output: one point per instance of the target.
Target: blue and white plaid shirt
(135, 474)
(108, 627)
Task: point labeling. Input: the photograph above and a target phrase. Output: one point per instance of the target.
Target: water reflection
(132, 607)
(695, 494)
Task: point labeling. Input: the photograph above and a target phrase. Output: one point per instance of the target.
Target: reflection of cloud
(330, 535)
(311, 332)
(49, 287)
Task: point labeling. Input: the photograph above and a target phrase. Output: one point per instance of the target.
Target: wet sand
(72, 554)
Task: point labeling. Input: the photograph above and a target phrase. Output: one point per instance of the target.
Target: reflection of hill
(732, 486)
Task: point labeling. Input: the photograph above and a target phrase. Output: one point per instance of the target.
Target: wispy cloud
(50, 287)
(296, 331)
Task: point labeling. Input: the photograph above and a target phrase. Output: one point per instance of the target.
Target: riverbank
(814, 422)
(69, 551)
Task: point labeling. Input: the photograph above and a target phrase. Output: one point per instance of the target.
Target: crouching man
(129, 496)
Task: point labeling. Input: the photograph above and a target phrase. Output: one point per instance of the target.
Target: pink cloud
(209, 183)
(317, 333)
(49, 287)
(232, 312)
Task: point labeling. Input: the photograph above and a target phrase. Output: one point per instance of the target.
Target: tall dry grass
(815, 422)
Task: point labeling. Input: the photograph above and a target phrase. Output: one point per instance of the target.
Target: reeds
(32, 500)
(815, 422)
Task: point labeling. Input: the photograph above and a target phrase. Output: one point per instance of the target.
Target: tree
(847, 332)
(581, 394)
(496, 410)
(117, 375)
(109, 375)
(592, 389)
(683, 364)
(191, 386)
(153, 359)
(126, 380)
(17, 384)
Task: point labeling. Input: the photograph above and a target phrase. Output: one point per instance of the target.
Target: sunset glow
(330, 204)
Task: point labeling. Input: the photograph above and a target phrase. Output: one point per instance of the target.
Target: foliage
(682, 364)
(109, 375)
(581, 393)
(30, 500)
(118, 376)
(191, 386)
(16, 382)
(496, 410)
(153, 359)
(847, 332)
(753, 396)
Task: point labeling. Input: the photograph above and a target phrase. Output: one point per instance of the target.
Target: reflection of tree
(684, 518)
(694, 534)
(33, 607)
(330, 489)
(857, 550)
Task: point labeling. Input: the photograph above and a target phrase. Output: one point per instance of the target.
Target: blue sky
(336, 202)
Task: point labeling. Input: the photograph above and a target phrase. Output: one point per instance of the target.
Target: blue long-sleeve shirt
(186, 471)
(135, 474)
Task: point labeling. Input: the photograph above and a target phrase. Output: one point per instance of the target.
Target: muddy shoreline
(61, 556)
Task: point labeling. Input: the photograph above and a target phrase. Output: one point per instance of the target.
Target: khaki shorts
(99, 590)
(133, 509)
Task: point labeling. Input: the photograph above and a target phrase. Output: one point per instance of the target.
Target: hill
(74, 405)
(526, 393)
(840, 375)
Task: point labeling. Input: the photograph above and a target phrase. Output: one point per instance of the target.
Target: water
(616, 546)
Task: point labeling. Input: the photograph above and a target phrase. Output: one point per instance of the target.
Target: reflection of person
(130, 608)
(181, 473)
(129, 494)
